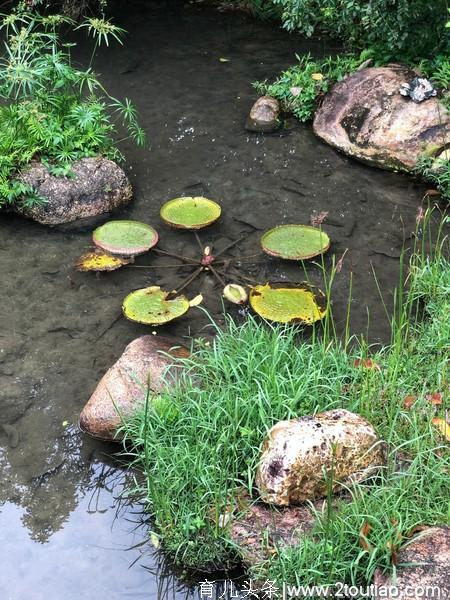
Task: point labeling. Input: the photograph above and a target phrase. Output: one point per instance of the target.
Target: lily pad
(100, 261)
(152, 306)
(190, 212)
(126, 238)
(295, 242)
(288, 303)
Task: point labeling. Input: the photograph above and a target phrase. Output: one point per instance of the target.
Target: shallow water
(64, 530)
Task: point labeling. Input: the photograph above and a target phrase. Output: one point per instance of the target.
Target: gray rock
(299, 455)
(365, 117)
(97, 187)
(264, 115)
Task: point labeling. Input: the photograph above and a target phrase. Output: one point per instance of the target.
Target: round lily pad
(295, 242)
(288, 303)
(100, 261)
(151, 306)
(126, 238)
(190, 212)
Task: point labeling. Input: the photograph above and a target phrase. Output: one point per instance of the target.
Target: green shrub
(437, 172)
(52, 110)
(394, 28)
(299, 88)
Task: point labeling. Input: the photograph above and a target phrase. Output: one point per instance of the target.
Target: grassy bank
(199, 446)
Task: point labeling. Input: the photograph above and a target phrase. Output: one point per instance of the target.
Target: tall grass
(200, 444)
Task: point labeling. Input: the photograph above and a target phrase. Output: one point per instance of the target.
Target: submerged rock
(423, 569)
(123, 388)
(264, 115)
(95, 187)
(298, 453)
(365, 117)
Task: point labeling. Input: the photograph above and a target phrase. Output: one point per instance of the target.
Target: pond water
(65, 531)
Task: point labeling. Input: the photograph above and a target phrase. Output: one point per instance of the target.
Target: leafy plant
(394, 28)
(300, 87)
(53, 111)
(437, 172)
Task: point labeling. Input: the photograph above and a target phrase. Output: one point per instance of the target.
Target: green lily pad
(190, 212)
(125, 238)
(288, 303)
(151, 306)
(295, 242)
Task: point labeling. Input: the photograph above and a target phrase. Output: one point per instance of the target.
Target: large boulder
(423, 569)
(264, 115)
(301, 455)
(96, 186)
(149, 362)
(367, 118)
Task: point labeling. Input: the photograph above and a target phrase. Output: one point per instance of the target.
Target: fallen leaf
(442, 426)
(435, 398)
(317, 76)
(432, 193)
(224, 60)
(408, 401)
(363, 533)
(367, 363)
(154, 540)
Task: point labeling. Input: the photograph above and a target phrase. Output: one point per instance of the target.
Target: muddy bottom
(65, 531)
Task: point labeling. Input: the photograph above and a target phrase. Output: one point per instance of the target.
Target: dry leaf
(224, 60)
(317, 76)
(154, 540)
(435, 398)
(367, 363)
(408, 401)
(442, 426)
(363, 533)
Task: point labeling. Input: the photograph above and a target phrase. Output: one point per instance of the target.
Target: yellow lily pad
(288, 303)
(126, 238)
(295, 242)
(190, 212)
(153, 306)
(100, 261)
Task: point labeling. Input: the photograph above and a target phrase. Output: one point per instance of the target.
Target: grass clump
(53, 111)
(300, 87)
(199, 445)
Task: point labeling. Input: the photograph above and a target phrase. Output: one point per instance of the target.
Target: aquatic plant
(190, 212)
(288, 302)
(53, 111)
(295, 242)
(154, 306)
(100, 261)
(125, 238)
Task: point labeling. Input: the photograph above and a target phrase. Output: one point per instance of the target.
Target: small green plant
(437, 172)
(300, 87)
(53, 111)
